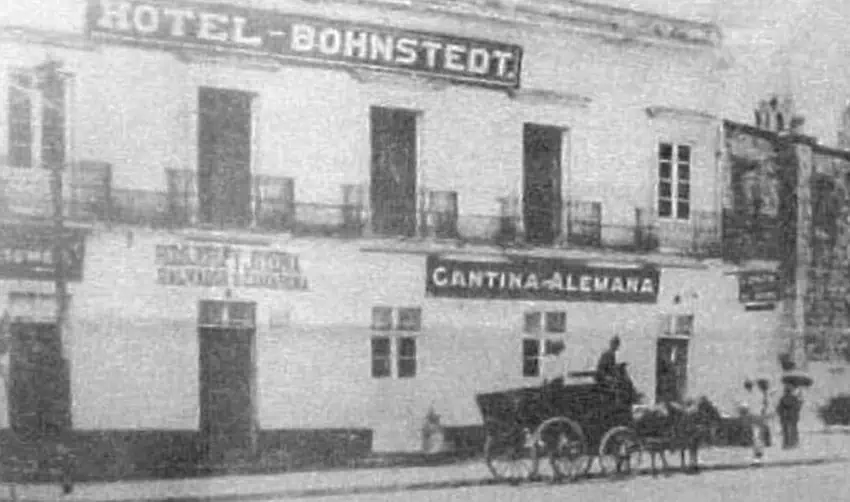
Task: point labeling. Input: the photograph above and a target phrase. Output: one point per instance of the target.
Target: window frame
(677, 183)
(533, 357)
(401, 358)
(385, 371)
(387, 325)
(542, 334)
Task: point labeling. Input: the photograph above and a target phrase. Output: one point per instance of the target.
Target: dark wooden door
(542, 201)
(393, 181)
(226, 401)
(671, 369)
(39, 383)
(224, 157)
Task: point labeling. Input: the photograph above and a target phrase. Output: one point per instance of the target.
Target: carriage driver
(606, 369)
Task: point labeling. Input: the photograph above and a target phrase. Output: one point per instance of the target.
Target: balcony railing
(273, 207)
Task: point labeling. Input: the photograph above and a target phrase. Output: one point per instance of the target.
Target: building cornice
(617, 24)
(669, 112)
(49, 38)
(390, 246)
(547, 97)
(612, 22)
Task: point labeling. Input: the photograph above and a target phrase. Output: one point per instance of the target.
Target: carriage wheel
(563, 440)
(511, 454)
(619, 451)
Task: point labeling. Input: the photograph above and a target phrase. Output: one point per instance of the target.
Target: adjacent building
(306, 224)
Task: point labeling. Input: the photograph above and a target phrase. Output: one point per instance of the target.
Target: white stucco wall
(133, 344)
(137, 110)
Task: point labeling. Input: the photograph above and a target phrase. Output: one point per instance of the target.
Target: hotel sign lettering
(227, 266)
(295, 38)
(541, 279)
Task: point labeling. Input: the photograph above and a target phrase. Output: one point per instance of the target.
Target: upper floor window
(21, 125)
(36, 118)
(225, 120)
(674, 181)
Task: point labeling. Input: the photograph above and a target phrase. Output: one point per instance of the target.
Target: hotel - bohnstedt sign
(304, 39)
(540, 279)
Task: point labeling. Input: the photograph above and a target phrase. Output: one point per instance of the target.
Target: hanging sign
(27, 252)
(541, 279)
(228, 266)
(759, 289)
(296, 38)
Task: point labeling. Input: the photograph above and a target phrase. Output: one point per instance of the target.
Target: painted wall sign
(761, 287)
(26, 252)
(226, 265)
(295, 38)
(540, 279)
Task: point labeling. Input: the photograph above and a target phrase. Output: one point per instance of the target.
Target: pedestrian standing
(751, 413)
(788, 411)
(766, 411)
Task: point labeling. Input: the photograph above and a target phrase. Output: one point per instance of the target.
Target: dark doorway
(393, 185)
(542, 183)
(226, 385)
(671, 369)
(224, 157)
(39, 382)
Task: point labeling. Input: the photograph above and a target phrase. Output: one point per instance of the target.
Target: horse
(681, 427)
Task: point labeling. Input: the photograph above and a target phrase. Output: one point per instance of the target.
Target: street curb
(438, 485)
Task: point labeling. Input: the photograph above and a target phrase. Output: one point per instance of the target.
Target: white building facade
(339, 215)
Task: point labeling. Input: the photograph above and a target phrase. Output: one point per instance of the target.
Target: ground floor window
(531, 357)
(394, 341)
(540, 331)
(397, 352)
(406, 357)
(381, 357)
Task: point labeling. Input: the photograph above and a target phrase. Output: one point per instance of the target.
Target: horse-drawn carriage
(574, 425)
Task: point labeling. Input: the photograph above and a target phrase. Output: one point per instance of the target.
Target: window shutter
(665, 325)
(684, 325)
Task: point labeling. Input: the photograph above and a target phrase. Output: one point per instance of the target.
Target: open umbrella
(797, 379)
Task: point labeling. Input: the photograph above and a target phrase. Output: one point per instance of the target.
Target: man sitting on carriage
(606, 368)
(613, 375)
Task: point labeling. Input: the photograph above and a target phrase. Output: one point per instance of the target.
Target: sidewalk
(815, 448)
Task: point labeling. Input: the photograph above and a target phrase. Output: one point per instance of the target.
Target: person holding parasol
(789, 407)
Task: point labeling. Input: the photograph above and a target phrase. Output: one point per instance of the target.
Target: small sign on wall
(759, 289)
(191, 264)
(540, 279)
(27, 252)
